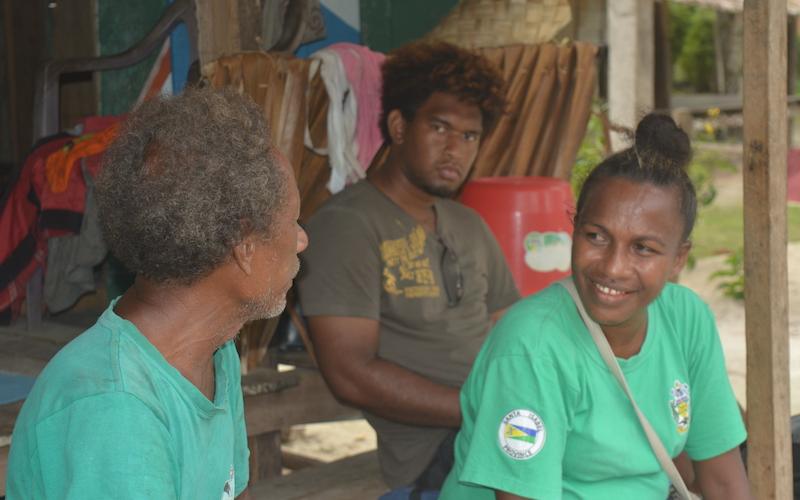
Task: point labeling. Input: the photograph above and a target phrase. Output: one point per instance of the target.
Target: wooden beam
(217, 29)
(3, 467)
(791, 55)
(265, 456)
(719, 55)
(310, 401)
(766, 286)
(353, 477)
(631, 64)
(662, 79)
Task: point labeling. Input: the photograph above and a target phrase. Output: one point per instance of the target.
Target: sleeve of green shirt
(109, 446)
(716, 422)
(520, 419)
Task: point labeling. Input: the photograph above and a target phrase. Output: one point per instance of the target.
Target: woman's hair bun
(661, 143)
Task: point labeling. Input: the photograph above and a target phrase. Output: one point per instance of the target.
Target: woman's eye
(593, 236)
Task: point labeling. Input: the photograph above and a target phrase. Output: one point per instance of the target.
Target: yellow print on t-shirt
(406, 269)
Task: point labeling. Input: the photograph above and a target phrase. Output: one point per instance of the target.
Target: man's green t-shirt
(544, 418)
(110, 418)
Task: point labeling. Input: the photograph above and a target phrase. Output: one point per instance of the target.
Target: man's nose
(302, 239)
(456, 144)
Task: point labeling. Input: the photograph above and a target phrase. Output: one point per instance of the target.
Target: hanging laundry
(363, 68)
(21, 248)
(47, 200)
(351, 75)
(341, 121)
(71, 258)
(59, 164)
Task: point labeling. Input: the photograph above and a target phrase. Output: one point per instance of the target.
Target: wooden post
(766, 286)
(662, 71)
(630, 63)
(227, 27)
(719, 55)
(791, 55)
(791, 70)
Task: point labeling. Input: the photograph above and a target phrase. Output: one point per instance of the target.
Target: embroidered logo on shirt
(521, 434)
(230, 486)
(680, 405)
(406, 270)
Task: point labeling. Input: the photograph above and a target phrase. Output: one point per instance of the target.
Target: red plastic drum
(531, 219)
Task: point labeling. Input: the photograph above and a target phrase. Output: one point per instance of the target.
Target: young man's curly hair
(415, 71)
(186, 180)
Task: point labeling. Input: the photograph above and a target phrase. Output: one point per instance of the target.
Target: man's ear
(243, 254)
(680, 260)
(396, 125)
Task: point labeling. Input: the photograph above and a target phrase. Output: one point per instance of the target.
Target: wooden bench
(353, 478)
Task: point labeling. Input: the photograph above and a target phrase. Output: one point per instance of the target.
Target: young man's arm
(346, 349)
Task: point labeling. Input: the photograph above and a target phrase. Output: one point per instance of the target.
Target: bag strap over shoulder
(611, 361)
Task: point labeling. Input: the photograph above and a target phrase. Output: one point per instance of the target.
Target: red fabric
(793, 181)
(34, 212)
(18, 231)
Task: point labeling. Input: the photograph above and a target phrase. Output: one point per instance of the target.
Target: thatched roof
(793, 6)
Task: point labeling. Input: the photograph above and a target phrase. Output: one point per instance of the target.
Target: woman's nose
(615, 262)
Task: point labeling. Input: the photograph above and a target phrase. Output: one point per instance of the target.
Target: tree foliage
(692, 44)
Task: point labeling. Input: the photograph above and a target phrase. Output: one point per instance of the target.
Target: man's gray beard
(265, 307)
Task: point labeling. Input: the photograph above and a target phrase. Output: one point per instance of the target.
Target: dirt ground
(331, 441)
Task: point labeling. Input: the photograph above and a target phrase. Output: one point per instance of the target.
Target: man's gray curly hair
(185, 181)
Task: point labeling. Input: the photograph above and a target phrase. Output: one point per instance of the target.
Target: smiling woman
(565, 428)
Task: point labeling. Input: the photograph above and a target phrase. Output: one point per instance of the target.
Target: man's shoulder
(355, 197)
(100, 363)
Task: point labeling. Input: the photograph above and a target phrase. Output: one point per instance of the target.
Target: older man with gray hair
(147, 403)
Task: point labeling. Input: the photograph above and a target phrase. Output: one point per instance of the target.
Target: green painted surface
(120, 26)
(387, 24)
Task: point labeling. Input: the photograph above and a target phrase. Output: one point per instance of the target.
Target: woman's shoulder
(677, 299)
(538, 324)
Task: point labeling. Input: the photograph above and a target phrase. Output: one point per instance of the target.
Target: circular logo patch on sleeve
(521, 434)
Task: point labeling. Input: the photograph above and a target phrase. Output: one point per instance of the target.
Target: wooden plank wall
(766, 285)
(227, 27)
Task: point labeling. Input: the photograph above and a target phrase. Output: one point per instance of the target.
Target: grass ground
(719, 229)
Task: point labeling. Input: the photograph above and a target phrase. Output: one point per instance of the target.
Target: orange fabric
(59, 164)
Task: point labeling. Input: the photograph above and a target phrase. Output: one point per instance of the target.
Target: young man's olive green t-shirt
(369, 259)
(544, 418)
(110, 418)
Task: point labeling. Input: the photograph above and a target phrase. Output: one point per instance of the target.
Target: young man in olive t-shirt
(402, 284)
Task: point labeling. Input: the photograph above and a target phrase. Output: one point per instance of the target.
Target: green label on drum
(548, 251)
